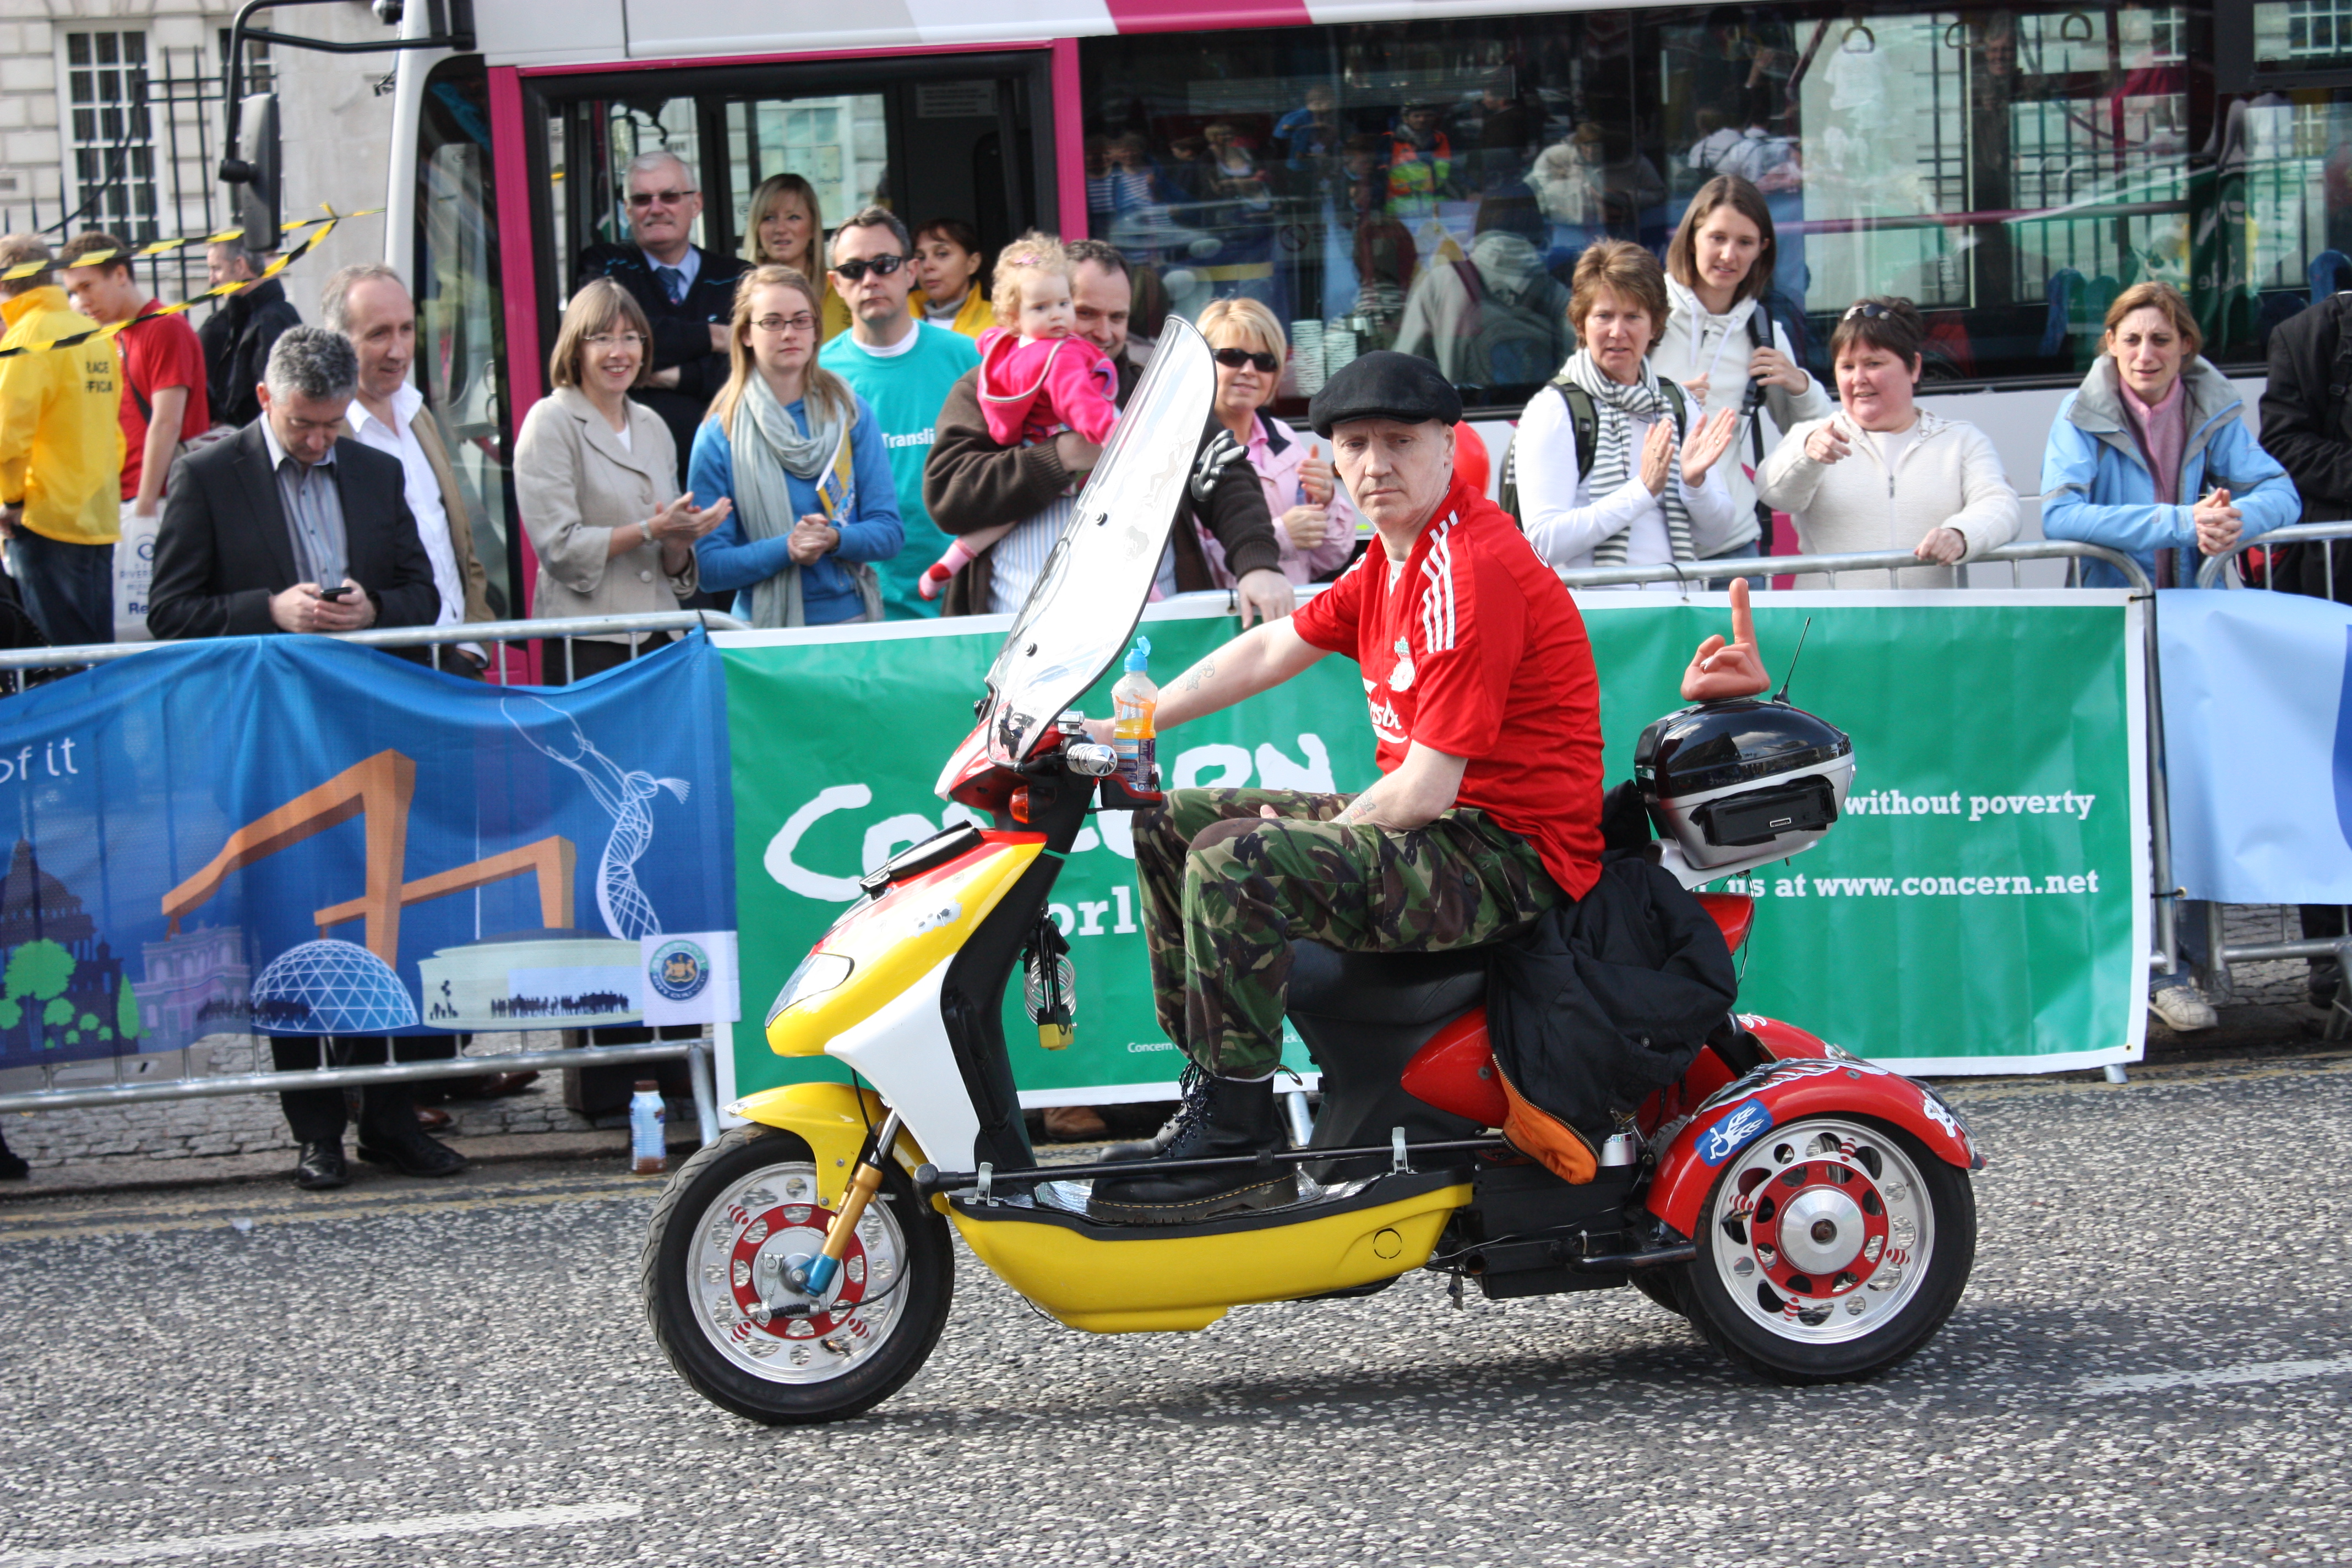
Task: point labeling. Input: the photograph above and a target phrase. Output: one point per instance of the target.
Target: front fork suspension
(816, 1277)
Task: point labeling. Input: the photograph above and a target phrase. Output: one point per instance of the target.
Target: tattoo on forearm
(1202, 673)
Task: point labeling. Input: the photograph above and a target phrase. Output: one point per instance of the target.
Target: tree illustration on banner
(38, 971)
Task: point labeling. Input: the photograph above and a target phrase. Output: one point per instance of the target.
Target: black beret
(1385, 384)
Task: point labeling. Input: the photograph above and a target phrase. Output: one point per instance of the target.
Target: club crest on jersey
(1400, 677)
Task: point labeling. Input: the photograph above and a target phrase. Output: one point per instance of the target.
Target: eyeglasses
(880, 266)
(604, 341)
(1869, 311)
(1265, 364)
(803, 322)
(642, 199)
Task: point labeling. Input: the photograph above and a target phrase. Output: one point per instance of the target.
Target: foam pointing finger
(1743, 619)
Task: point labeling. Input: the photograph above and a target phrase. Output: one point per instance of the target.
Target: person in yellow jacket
(60, 453)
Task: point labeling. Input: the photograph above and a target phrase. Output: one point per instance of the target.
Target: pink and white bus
(1415, 173)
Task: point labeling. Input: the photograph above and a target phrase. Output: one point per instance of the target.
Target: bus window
(459, 344)
(1429, 185)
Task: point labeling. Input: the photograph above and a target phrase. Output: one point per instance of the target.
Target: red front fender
(1783, 1091)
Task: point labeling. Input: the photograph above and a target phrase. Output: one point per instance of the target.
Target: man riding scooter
(1486, 707)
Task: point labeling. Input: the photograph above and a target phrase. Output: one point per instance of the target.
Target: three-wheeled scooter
(1808, 1212)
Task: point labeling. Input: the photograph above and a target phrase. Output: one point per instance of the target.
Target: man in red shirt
(1485, 708)
(163, 401)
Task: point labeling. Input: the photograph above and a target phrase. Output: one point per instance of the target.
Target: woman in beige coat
(1884, 474)
(591, 470)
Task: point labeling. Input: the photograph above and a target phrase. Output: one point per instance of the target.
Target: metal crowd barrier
(2222, 956)
(696, 1053)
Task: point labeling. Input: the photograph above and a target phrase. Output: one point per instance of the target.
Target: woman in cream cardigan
(593, 473)
(1882, 473)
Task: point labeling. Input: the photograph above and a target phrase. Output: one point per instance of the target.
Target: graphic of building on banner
(300, 837)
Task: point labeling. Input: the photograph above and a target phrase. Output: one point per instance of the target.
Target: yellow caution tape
(138, 252)
(321, 227)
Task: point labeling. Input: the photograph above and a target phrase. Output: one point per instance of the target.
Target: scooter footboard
(1115, 1279)
(1787, 1091)
(834, 1121)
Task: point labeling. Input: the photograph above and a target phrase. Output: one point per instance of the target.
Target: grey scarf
(764, 444)
(1617, 405)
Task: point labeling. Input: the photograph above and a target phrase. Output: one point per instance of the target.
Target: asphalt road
(2151, 1365)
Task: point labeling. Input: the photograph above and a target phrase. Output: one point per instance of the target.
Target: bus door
(965, 136)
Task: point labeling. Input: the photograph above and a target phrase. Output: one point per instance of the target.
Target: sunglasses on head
(1869, 311)
(880, 266)
(1265, 364)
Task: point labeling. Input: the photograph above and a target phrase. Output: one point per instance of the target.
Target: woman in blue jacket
(2150, 456)
(801, 457)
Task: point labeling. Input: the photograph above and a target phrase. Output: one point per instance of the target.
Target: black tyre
(733, 1219)
(1830, 1249)
(1662, 1286)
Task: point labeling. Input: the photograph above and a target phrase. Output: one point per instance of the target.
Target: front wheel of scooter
(736, 1217)
(1830, 1249)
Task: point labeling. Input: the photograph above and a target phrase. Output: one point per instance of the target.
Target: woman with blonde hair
(784, 226)
(1648, 490)
(800, 456)
(1312, 520)
(2150, 456)
(592, 467)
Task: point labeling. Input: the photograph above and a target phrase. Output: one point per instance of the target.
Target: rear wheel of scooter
(732, 1221)
(1830, 1249)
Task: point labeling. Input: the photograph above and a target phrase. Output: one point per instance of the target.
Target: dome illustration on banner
(628, 914)
(329, 987)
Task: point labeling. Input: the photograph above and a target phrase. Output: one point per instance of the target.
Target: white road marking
(324, 1536)
(2211, 1377)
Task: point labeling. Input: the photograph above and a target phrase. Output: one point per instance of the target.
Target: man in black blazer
(287, 527)
(230, 559)
(688, 293)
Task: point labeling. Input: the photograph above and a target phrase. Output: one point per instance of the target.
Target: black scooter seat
(1385, 987)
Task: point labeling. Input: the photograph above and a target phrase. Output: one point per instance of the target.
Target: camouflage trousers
(1226, 891)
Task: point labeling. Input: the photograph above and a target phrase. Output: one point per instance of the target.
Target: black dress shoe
(320, 1165)
(12, 1165)
(409, 1152)
(1236, 1117)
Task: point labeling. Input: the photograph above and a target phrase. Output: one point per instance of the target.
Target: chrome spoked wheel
(749, 1239)
(729, 1229)
(1832, 1249)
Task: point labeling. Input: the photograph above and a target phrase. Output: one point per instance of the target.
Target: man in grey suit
(287, 527)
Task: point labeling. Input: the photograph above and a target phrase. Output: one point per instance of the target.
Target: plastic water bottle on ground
(1133, 702)
(648, 1144)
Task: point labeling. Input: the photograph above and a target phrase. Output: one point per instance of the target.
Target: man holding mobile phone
(288, 526)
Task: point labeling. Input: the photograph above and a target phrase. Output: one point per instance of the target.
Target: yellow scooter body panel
(828, 1118)
(897, 938)
(1121, 1280)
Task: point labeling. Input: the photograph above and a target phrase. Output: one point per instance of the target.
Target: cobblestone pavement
(2150, 1367)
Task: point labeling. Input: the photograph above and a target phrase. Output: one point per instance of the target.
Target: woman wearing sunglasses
(1312, 518)
(784, 228)
(801, 457)
(1882, 473)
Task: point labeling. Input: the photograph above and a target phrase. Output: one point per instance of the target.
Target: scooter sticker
(1735, 1131)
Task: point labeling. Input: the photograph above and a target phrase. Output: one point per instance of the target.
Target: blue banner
(295, 836)
(2258, 745)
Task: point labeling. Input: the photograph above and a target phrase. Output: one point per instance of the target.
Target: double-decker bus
(2008, 168)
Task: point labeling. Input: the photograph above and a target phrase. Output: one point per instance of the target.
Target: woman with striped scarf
(1651, 482)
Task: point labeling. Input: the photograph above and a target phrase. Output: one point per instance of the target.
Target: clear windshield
(1091, 593)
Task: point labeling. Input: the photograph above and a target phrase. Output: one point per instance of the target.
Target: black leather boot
(1236, 1117)
(1192, 1103)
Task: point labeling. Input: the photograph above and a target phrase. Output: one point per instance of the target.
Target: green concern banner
(1979, 908)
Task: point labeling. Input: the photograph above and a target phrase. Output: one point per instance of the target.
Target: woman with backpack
(1613, 465)
(1882, 473)
(1725, 348)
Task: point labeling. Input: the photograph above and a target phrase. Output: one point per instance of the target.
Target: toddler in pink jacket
(1037, 378)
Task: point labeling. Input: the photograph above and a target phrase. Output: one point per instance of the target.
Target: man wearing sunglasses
(971, 482)
(687, 292)
(903, 368)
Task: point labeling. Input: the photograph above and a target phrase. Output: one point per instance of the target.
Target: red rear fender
(1456, 1072)
(1786, 1091)
(1733, 912)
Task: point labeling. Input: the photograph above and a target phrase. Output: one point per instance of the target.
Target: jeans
(2189, 925)
(1747, 552)
(69, 589)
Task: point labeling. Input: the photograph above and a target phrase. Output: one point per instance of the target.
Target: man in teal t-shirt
(903, 369)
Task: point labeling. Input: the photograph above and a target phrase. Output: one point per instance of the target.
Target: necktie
(673, 282)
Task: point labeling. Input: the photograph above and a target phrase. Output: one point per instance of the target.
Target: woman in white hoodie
(1723, 345)
(1884, 474)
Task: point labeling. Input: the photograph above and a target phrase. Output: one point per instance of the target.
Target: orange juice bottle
(1133, 702)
